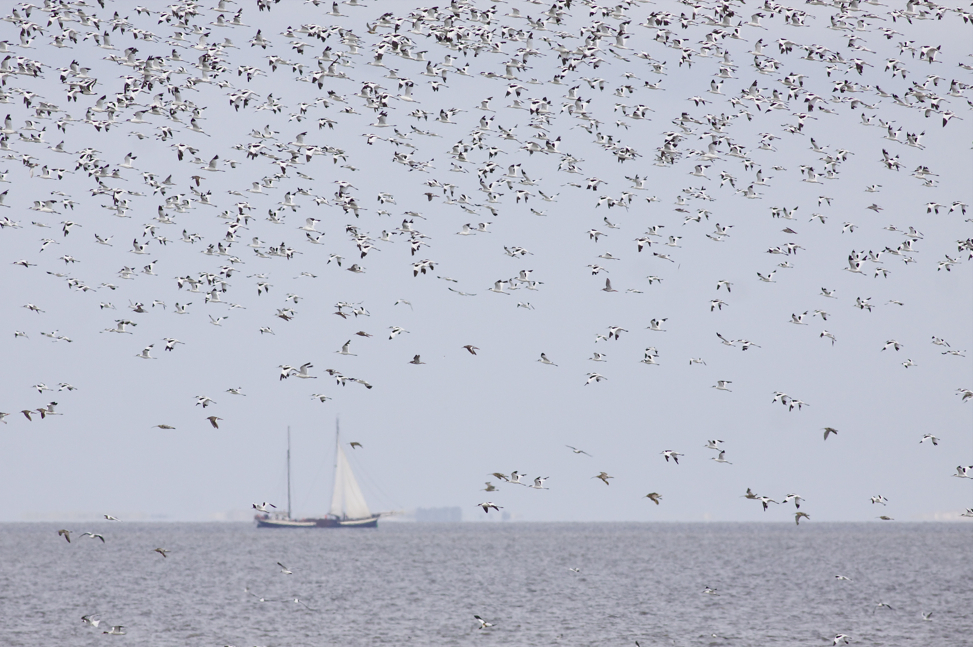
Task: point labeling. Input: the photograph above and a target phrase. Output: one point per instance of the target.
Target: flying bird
(481, 623)
(577, 451)
(604, 477)
(674, 455)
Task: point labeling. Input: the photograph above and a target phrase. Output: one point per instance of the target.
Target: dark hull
(264, 521)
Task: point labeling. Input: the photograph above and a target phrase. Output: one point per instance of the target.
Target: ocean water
(421, 584)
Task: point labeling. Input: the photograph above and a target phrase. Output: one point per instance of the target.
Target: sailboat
(348, 507)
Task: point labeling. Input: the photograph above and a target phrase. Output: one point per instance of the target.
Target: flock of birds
(130, 130)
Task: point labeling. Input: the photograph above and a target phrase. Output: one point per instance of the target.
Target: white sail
(347, 500)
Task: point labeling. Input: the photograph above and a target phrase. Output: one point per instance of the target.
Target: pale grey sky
(433, 433)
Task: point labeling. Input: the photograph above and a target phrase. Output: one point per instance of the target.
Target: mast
(337, 447)
(288, 472)
(337, 433)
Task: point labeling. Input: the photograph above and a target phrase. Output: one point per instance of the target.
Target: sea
(604, 584)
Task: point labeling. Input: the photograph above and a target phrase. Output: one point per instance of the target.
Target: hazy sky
(433, 433)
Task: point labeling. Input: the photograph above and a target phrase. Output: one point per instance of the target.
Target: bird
(416, 360)
(799, 319)
(839, 638)
(930, 438)
(674, 455)
(302, 372)
(108, 517)
(604, 477)
(796, 498)
(171, 343)
(764, 501)
(94, 535)
(655, 497)
(721, 385)
(472, 349)
(161, 551)
(90, 620)
(488, 505)
(145, 352)
(578, 451)
(879, 499)
(212, 421)
(829, 430)
(656, 324)
(284, 569)
(544, 360)
(65, 533)
(720, 458)
(116, 630)
(481, 623)
(353, 444)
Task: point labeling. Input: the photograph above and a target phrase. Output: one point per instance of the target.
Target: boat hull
(264, 521)
(271, 522)
(358, 523)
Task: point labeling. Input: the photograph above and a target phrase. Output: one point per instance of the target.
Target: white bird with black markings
(145, 352)
(721, 458)
(674, 455)
(480, 622)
